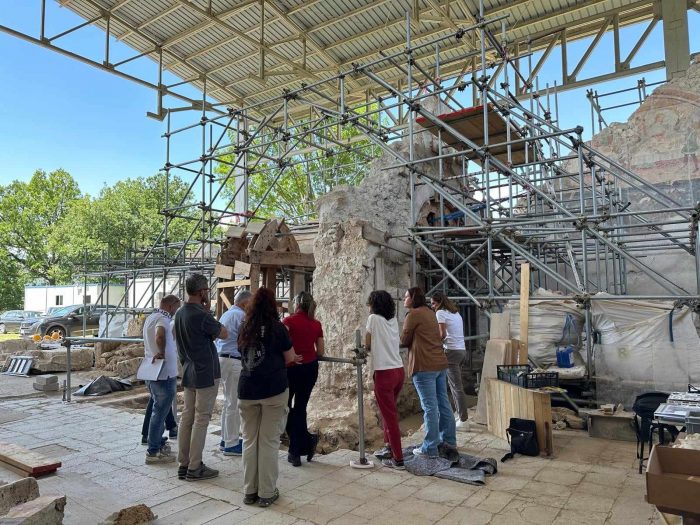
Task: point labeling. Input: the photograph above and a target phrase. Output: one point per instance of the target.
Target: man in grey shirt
(230, 363)
(195, 330)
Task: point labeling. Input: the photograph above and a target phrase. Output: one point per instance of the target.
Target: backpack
(522, 436)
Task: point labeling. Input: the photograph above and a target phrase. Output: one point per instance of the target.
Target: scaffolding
(528, 190)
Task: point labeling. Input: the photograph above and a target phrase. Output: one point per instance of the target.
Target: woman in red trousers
(382, 339)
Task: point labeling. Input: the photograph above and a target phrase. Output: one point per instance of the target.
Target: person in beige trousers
(195, 330)
(265, 349)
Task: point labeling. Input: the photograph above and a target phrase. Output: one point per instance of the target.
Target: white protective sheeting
(547, 318)
(118, 323)
(635, 354)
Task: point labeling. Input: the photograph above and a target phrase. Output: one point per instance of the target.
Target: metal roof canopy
(242, 53)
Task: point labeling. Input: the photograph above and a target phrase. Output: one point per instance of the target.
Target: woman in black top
(263, 392)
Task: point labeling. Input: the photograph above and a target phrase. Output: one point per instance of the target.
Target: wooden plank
(372, 234)
(254, 227)
(241, 268)
(233, 284)
(27, 461)
(500, 326)
(305, 260)
(270, 279)
(236, 232)
(254, 277)
(225, 300)
(505, 401)
(223, 272)
(266, 236)
(524, 310)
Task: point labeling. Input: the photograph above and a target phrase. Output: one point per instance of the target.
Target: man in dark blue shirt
(195, 330)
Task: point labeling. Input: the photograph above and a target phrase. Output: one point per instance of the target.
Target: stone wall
(350, 263)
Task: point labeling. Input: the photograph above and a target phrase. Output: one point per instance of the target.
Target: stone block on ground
(43, 510)
(17, 492)
(51, 387)
(46, 379)
(127, 367)
(55, 359)
(16, 345)
(135, 327)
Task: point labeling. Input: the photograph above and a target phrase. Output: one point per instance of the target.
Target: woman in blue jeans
(427, 366)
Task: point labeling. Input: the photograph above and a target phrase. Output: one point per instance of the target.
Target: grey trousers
(262, 424)
(199, 403)
(455, 360)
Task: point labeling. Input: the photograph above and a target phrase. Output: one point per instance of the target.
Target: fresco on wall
(660, 141)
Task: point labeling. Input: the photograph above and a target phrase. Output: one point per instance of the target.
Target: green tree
(126, 216)
(30, 215)
(12, 280)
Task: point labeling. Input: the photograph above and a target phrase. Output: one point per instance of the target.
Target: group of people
(434, 337)
(268, 368)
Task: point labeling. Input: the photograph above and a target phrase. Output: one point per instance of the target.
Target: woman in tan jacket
(427, 366)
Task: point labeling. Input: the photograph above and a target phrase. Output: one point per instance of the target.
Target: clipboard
(149, 369)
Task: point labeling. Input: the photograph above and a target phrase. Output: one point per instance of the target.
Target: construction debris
(131, 516)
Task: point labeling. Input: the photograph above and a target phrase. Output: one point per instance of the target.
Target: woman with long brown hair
(451, 327)
(427, 366)
(265, 349)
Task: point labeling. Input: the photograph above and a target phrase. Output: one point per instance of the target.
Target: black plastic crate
(522, 375)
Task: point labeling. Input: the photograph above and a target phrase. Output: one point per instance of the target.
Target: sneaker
(392, 463)
(383, 453)
(203, 472)
(235, 450)
(419, 452)
(314, 443)
(294, 460)
(266, 502)
(462, 426)
(166, 448)
(182, 472)
(172, 434)
(162, 456)
(250, 499)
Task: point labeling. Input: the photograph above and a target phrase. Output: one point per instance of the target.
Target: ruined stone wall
(349, 265)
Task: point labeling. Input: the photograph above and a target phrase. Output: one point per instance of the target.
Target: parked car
(11, 320)
(67, 321)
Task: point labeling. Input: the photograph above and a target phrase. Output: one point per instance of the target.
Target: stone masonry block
(17, 492)
(44, 510)
(46, 379)
(50, 387)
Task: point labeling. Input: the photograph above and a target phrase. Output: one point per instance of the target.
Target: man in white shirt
(159, 344)
(230, 362)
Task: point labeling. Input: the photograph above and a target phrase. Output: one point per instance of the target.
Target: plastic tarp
(103, 385)
(547, 317)
(118, 323)
(634, 352)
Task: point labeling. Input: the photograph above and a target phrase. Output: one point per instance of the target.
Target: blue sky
(56, 112)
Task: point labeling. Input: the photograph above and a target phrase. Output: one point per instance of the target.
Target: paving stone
(178, 504)
(559, 476)
(569, 517)
(270, 517)
(466, 516)
(323, 510)
(588, 502)
(520, 510)
(423, 509)
(198, 514)
(495, 501)
(451, 494)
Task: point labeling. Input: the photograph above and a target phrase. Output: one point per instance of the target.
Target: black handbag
(522, 436)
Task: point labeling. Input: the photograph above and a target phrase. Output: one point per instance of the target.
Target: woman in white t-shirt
(382, 339)
(452, 333)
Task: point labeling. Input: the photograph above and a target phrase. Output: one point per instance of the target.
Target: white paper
(149, 369)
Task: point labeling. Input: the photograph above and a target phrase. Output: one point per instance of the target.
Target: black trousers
(302, 379)
(170, 423)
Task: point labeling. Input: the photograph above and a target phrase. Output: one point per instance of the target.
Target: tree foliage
(47, 226)
(291, 192)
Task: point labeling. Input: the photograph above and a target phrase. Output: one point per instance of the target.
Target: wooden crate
(505, 401)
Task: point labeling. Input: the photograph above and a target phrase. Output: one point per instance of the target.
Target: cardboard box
(673, 479)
